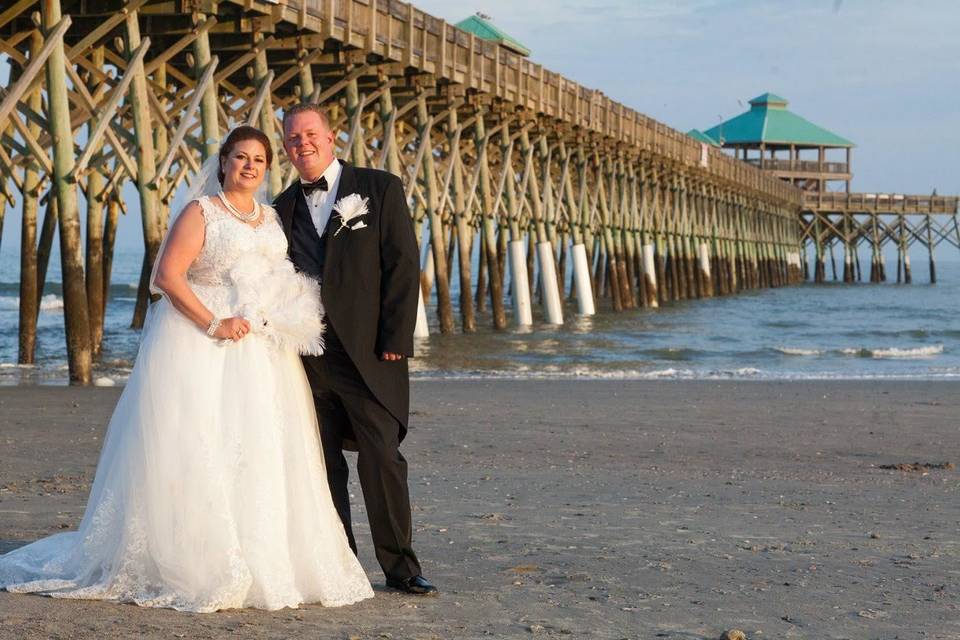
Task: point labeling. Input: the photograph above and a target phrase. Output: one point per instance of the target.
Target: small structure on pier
(481, 25)
(700, 136)
(775, 139)
(778, 141)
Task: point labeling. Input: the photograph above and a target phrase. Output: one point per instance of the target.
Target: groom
(368, 265)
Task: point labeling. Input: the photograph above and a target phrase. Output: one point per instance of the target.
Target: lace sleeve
(207, 208)
(269, 213)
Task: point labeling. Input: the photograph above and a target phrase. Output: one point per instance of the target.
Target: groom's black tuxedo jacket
(370, 279)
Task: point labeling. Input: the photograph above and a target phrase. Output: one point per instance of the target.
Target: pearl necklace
(246, 217)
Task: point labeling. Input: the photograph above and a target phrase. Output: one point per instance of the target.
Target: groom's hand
(386, 355)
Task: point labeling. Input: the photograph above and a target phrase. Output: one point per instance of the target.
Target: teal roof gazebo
(700, 136)
(770, 122)
(769, 128)
(481, 26)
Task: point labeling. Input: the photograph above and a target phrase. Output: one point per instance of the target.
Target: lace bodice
(229, 245)
(244, 271)
(227, 241)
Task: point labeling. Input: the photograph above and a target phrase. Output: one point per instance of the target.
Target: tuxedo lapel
(335, 241)
(285, 206)
(348, 181)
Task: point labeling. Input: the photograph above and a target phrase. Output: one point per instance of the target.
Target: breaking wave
(797, 351)
(49, 302)
(894, 352)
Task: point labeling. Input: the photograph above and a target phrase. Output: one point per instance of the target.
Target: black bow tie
(310, 187)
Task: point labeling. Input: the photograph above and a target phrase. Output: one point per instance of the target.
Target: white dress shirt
(320, 202)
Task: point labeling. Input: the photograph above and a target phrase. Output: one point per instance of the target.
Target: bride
(211, 492)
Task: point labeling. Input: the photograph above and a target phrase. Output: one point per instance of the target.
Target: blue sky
(881, 73)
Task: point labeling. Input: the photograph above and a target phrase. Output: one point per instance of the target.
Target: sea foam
(894, 352)
(49, 302)
(797, 351)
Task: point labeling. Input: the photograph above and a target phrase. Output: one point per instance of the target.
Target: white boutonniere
(350, 208)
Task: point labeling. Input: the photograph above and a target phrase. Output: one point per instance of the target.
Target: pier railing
(800, 166)
(880, 202)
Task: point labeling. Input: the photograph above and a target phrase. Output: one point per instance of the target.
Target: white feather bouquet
(280, 304)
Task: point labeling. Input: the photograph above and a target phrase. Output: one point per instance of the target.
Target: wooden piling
(550, 190)
(621, 232)
(30, 288)
(649, 273)
(424, 132)
(209, 124)
(609, 250)
(488, 227)
(76, 316)
(930, 247)
(146, 161)
(581, 281)
(94, 196)
(544, 247)
(262, 77)
(633, 240)
(468, 321)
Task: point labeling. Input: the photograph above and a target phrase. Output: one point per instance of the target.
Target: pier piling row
(850, 221)
(527, 188)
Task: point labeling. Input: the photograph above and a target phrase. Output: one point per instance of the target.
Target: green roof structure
(700, 136)
(480, 26)
(769, 122)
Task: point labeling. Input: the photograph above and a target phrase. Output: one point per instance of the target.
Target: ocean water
(829, 331)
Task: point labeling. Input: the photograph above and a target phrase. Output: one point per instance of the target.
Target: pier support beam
(146, 164)
(209, 125)
(519, 280)
(463, 229)
(261, 76)
(488, 224)
(581, 265)
(545, 255)
(76, 315)
(96, 293)
(437, 241)
(30, 288)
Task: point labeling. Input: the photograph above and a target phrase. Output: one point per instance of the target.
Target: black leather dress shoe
(417, 585)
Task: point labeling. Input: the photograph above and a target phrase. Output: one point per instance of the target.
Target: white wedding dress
(211, 491)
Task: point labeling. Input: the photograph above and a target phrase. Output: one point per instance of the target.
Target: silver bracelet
(213, 326)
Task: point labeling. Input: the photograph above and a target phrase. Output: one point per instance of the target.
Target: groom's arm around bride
(350, 228)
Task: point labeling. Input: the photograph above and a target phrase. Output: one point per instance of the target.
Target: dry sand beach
(591, 510)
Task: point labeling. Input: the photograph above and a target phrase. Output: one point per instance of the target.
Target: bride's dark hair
(240, 134)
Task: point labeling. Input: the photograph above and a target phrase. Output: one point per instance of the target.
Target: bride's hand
(233, 329)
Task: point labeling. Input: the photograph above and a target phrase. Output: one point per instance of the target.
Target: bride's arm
(183, 247)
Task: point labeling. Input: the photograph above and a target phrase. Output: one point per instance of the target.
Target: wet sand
(591, 510)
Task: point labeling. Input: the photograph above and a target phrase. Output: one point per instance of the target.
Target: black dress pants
(346, 408)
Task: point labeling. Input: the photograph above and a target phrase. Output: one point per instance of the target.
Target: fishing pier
(527, 188)
(819, 162)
